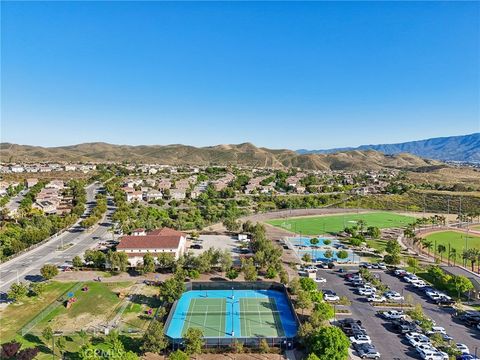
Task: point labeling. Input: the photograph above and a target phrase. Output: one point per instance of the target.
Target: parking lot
(219, 242)
(392, 345)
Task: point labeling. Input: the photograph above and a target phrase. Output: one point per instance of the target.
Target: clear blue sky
(283, 75)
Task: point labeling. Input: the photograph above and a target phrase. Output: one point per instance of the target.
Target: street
(26, 267)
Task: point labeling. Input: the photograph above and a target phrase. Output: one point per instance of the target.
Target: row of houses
(45, 168)
(50, 199)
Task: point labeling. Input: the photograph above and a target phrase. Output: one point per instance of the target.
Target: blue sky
(277, 74)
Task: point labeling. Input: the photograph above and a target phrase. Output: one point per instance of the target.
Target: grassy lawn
(379, 244)
(96, 305)
(457, 240)
(332, 224)
(14, 316)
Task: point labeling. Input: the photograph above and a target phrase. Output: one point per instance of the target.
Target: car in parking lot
(367, 351)
(393, 314)
(376, 298)
(437, 330)
(320, 280)
(393, 295)
(360, 339)
(329, 295)
(404, 327)
(470, 318)
(433, 355)
(463, 348)
(467, 357)
(366, 291)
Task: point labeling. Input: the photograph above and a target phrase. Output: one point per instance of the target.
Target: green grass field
(100, 303)
(332, 224)
(457, 240)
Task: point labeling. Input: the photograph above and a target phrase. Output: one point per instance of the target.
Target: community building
(157, 241)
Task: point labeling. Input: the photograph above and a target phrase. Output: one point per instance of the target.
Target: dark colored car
(196, 246)
(404, 326)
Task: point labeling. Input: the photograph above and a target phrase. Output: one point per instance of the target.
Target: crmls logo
(100, 352)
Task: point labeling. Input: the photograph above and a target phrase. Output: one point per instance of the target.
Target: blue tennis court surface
(233, 313)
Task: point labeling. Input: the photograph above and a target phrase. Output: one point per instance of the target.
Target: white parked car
(399, 272)
(463, 348)
(393, 295)
(366, 291)
(419, 284)
(420, 341)
(414, 335)
(376, 298)
(425, 347)
(329, 295)
(360, 339)
(393, 314)
(311, 269)
(382, 266)
(320, 280)
(433, 355)
(437, 330)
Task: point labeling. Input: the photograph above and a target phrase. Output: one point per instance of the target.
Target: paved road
(27, 267)
(14, 202)
(391, 345)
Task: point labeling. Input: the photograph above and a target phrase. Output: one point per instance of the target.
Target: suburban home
(164, 240)
(31, 182)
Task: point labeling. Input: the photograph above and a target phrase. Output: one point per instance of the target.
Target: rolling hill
(452, 148)
(242, 154)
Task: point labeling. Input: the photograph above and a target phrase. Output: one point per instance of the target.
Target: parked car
(366, 291)
(433, 355)
(393, 295)
(463, 348)
(360, 339)
(329, 295)
(320, 280)
(367, 351)
(376, 299)
(393, 314)
(404, 327)
(437, 330)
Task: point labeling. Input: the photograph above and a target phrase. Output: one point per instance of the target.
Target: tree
(322, 312)
(77, 262)
(148, 263)
(307, 258)
(27, 354)
(49, 271)
(193, 341)
(232, 274)
(342, 254)
(249, 270)
(303, 300)
(373, 232)
(283, 276)
(165, 261)
(393, 250)
(37, 288)
(314, 241)
(154, 338)
(328, 254)
(47, 334)
(460, 284)
(61, 343)
(329, 343)
(294, 286)
(118, 260)
(225, 260)
(413, 263)
(178, 355)
(427, 244)
(17, 292)
(312, 356)
(327, 242)
(452, 254)
(10, 349)
(308, 284)
(172, 289)
(441, 249)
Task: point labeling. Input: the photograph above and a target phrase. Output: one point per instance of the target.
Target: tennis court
(233, 314)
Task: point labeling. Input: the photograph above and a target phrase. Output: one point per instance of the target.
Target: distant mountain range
(243, 154)
(451, 148)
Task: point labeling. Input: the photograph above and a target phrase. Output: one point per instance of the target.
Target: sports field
(332, 224)
(456, 240)
(233, 313)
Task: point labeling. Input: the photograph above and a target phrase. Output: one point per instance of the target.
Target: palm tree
(472, 256)
(427, 244)
(452, 254)
(441, 249)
